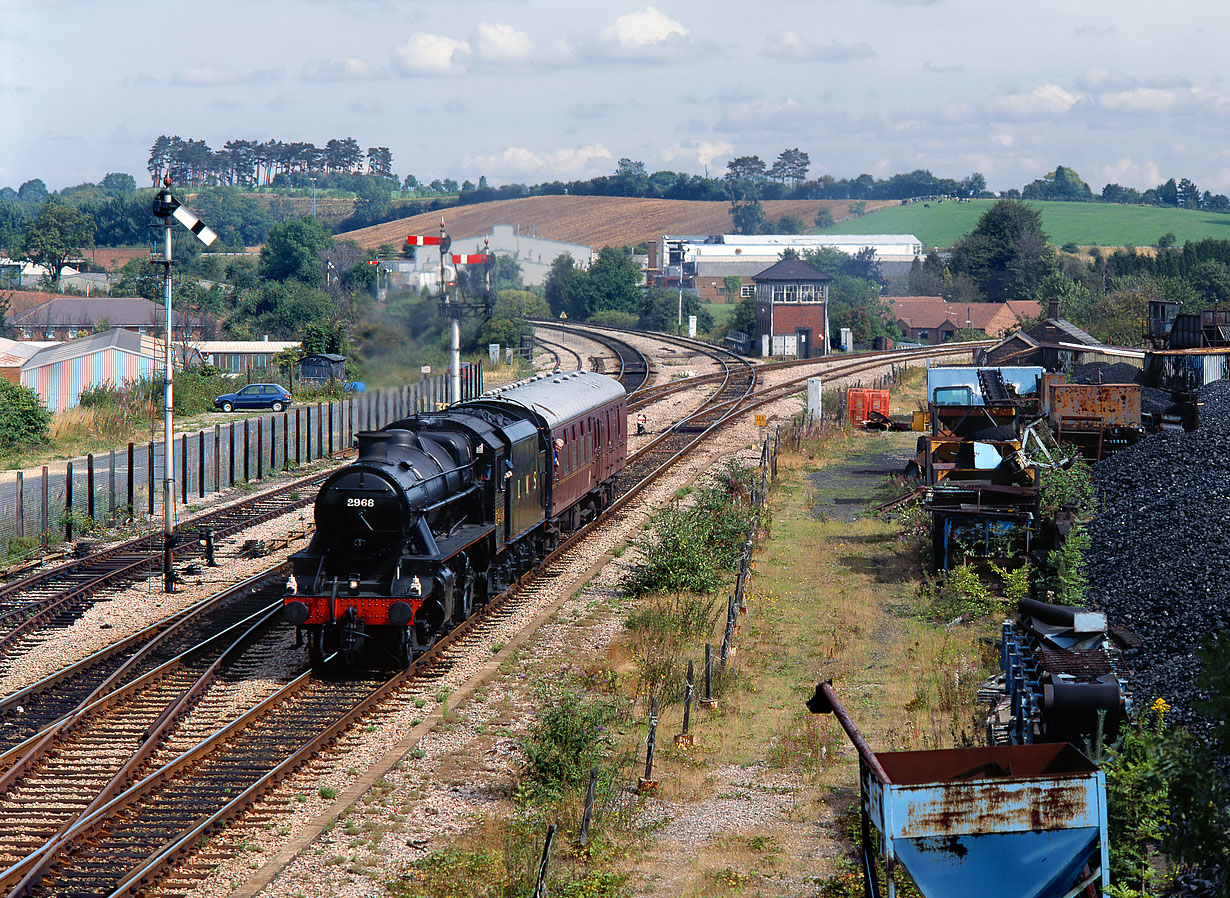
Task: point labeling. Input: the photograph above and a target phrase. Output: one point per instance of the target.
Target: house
(792, 310)
(65, 317)
(14, 354)
(533, 253)
(1057, 345)
(60, 373)
(933, 319)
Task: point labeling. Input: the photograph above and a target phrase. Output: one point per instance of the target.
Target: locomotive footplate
(460, 539)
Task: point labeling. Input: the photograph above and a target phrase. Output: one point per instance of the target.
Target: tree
(23, 417)
(280, 309)
(1006, 254)
(1061, 184)
(790, 168)
(558, 285)
(824, 218)
(610, 283)
(745, 178)
(630, 177)
(293, 250)
(1117, 193)
(118, 182)
(58, 233)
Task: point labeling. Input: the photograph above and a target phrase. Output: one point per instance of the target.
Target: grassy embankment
(1085, 224)
(833, 595)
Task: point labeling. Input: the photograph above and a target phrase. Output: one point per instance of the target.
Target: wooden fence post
(68, 503)
(647, 783)
(308, 450)
(230, 456)
(89, 484)
(21, 505)
(132, 473)
(200, 464)
(684, 739)
(111, 488)
(708, 702)
(247, 453)
(151, 478)
(285, 440)
(217, 458)
(183, 466)
(540, 888)
(589, 807)
(260, 448)
(45, 517)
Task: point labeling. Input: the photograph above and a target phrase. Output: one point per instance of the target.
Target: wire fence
(123, 488)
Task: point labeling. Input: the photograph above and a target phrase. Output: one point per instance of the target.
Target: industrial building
(61, 373)
(241, 356)
(705, 262)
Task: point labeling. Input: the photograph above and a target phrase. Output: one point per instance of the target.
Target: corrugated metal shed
(1187, 369)
(60, 373)
(237, 356)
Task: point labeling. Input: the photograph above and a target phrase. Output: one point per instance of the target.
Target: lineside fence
(123, 487)
(735, 606)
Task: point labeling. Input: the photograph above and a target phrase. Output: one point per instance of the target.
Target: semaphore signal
(456, 307)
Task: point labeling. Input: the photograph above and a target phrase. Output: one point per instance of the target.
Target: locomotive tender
(442, 511)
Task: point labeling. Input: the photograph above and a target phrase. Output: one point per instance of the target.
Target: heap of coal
(1152, 400)
(1159, 563)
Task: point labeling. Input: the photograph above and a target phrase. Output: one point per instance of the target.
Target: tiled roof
(931, 312)
(792, 270)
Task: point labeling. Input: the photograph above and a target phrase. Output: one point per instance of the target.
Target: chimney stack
(1053, 311)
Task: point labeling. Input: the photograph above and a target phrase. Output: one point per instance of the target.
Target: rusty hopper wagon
(1014, 821)
(1096, 418)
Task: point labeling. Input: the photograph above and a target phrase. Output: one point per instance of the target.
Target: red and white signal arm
(470, 258)
(419, 240)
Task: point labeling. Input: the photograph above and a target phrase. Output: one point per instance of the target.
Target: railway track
(83, 849)
(58, 596)
(124, 839)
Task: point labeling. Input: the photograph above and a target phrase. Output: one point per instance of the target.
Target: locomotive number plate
(360, 503)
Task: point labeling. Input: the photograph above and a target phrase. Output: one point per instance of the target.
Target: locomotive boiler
(441, 512)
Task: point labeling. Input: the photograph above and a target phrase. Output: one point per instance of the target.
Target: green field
(1086, 224)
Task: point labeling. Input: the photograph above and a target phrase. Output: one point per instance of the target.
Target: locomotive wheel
(403, 652)
(316, 648)
(463, 602)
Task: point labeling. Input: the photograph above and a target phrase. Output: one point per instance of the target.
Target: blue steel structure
(1014, 821)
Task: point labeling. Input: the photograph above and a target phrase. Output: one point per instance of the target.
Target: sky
(536, 90)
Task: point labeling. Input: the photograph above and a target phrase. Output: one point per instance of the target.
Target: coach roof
(562, 397)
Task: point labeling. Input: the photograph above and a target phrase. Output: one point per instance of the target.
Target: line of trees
(253, 163)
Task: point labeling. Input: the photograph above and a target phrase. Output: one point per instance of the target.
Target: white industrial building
(705, 262)
(61, 373)
(533, 253)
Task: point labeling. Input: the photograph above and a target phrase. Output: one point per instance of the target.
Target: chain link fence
(123, 488)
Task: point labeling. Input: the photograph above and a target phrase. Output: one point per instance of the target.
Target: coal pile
(1159, 563)
(1152, 400)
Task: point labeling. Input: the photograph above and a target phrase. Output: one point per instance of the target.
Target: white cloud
(1043, 101)
(498, 44)
(431, 54)
(492, 45)
(937, 69)
(645, 28)
(522, 162)
(786, 116)
(348, 69)
(1157, 100)
(647, 35)
(704, 152)
(792, 46)
(1130, 173)
(216, 76)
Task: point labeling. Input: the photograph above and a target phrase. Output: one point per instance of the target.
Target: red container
(862, 401)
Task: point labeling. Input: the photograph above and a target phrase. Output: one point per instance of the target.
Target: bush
(1067, 578)
(959, 593)
(614, 318)
(568, 739)
(1071, 489)
(23, 417)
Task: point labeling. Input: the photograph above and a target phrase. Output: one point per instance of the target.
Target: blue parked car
(273, 396)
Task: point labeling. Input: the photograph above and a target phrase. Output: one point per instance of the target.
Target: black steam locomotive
(441, 512)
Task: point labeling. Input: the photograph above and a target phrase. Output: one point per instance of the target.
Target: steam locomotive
(441, 512)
